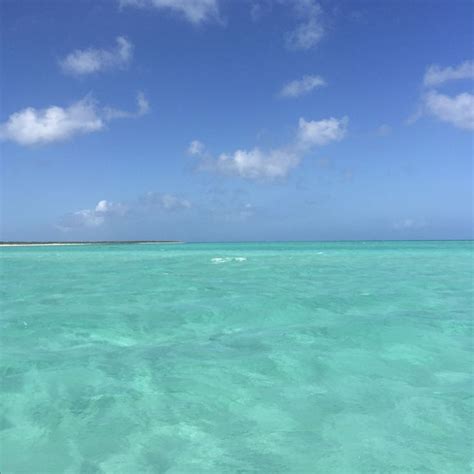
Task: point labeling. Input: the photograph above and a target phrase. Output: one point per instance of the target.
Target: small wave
(228, 259)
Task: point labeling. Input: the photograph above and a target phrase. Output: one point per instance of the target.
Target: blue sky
(213, 120)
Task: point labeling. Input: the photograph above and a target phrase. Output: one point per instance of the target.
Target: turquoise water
(350, 357)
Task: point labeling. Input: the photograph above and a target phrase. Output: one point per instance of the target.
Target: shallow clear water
(232, 358)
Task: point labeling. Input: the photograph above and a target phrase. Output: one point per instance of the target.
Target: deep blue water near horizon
(284, 357)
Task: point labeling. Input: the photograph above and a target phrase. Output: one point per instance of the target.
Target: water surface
(349, 357)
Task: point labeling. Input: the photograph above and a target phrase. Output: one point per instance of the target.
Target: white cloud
(90, 61)
(107, 211)
(94, 217)
(257, 164)
(311, 29)
(32, 126)
(85, 218)
(194, 11)
(435, 75)
(321, 132)
(104, 208)
(457, 110)
(261, 165)
(301, 86)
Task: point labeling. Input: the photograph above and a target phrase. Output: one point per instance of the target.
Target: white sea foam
(228, 259)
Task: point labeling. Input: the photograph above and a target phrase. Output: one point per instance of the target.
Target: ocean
(308, 357)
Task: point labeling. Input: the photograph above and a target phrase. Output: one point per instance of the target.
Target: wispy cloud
(143, 107)
(194, 11)
(30, 126)
(310, 18)
(92, 60)
(409, 224)
(383, 130)
(257, 10)
(436, 75)
(196, 148)
(301, 86)
(268, 165)
(149, 204)
(310, 30)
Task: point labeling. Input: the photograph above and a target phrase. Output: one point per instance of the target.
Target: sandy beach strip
(42, 245)
(57, 244)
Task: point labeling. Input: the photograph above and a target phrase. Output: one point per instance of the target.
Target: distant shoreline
(100, 242)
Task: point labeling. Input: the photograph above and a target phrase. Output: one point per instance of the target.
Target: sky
(233, 120)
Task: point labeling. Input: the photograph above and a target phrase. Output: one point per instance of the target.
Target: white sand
(41, 245)
(56, 244)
